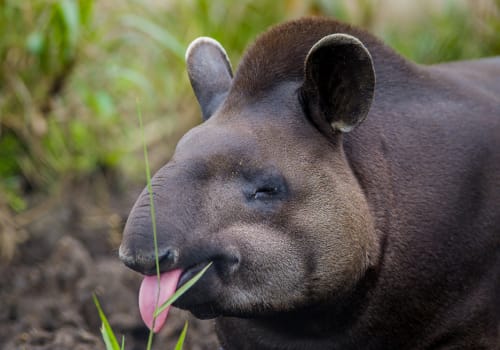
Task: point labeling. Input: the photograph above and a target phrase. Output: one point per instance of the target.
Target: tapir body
(348, 198)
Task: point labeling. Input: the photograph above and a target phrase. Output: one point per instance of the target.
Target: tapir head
(262, 188)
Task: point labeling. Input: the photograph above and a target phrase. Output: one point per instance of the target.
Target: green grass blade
(107, 339)
(188, 284)
(180, 341)
(153, 217)
(150, 339)
(182, 290)
(69, 13)
(123, 343)
(150, 191)
(107, 332)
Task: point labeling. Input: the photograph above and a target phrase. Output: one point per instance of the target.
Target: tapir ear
(339, 83)
(210, 73)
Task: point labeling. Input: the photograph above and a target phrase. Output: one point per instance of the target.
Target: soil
(71, 253)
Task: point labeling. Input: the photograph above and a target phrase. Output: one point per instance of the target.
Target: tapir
(346, 197)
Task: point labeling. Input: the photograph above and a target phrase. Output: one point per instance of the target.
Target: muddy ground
(46, 290)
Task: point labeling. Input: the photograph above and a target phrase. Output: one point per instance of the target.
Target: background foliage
(72, 72)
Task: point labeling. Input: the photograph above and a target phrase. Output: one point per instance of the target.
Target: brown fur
(386, 237)
(289, 43)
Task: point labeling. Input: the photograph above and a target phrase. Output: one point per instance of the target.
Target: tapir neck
(320, 326)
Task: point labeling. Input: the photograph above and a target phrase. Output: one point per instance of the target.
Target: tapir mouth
(153, 293)
(170, 281)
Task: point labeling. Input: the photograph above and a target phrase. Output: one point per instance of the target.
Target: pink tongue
(148, 294)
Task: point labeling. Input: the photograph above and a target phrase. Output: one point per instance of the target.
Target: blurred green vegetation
(72, 72)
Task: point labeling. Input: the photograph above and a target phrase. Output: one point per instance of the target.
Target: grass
(106, 331)
(180, 341)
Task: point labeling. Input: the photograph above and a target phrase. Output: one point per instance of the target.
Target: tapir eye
(265, 188)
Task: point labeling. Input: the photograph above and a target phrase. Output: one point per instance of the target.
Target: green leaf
(180, 341)
(107, 332)
(86, 8)
(182, 290)
(15, 201)
(69, 13)
(101, 103)
(35, 43)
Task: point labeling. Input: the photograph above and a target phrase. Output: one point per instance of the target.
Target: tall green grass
(152, 214)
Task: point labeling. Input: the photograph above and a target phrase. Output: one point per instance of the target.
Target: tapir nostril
(145, 263)
(167, 257)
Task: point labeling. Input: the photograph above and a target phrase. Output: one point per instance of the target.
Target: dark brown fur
(259, 70)
(415, 187)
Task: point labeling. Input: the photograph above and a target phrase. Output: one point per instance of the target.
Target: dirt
(46, 290)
